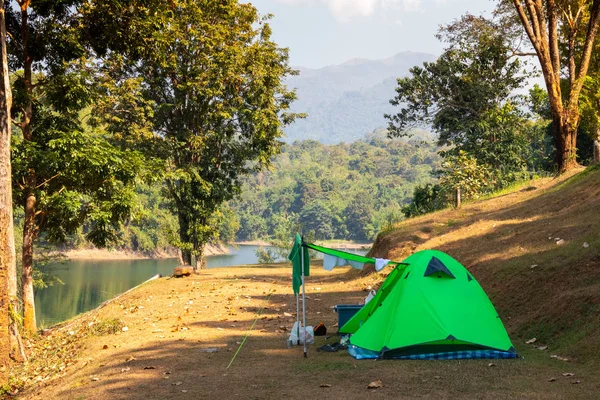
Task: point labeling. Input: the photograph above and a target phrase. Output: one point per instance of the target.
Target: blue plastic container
(345, 312)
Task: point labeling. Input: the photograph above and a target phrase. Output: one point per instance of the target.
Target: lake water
(88, 283)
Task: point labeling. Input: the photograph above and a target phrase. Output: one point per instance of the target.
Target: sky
(327, 32)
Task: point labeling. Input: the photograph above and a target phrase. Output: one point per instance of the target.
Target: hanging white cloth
(380, 263)
(329, 262)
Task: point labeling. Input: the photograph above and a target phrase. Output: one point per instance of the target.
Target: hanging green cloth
(296, 258)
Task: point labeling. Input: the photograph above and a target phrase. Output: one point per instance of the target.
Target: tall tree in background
(214, 80)
(467, 95)
(572, 26)
(7, 243)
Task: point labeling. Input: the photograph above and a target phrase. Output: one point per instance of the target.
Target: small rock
(183, 391)
(437, 377)
(542, 348)
(531, 341)
(586, 244)
(286, 314)
(125, 329)
(105, 347)
(560, 242)
(375, 384)
(209, 350)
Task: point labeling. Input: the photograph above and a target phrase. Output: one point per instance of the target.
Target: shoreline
(336, 244)
(108, 254)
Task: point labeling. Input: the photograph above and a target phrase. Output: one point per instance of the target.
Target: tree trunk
(565, 135)
(7, 244)
(184, 238)
(200, 260)
(29, 232)
(186, 257)
(596, 159)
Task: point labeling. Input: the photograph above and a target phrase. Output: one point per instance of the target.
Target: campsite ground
(542, 288)
(173, 325)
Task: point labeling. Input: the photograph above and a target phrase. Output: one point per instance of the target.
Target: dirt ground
(175, 325)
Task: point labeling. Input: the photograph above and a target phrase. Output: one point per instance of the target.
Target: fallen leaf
(533, 266)
(491, 365)
(530, 341)
(324, 385)
(105, 347)
(568, 374)
(375, 385)
(125, 369)
(560, 242)
(586, 244)
(95, 379)
(131, 358)
(125, 329)
(286, 314)
(542, 347)
(183, 391)
(150, 367)
(551, 379)
(176, 383)
(575, 382)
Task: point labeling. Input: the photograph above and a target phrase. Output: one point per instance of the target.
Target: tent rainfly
(332, 257)
(430, 307)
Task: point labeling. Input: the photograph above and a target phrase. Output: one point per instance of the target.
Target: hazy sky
(325, 32)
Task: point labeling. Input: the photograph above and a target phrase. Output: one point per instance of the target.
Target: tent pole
(298, 319)
(303, 301)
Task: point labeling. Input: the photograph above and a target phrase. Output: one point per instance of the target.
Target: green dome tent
(431, 308)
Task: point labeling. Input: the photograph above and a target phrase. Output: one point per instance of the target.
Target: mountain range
(345, 102)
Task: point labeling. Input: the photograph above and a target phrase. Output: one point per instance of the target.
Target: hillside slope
(542, 287)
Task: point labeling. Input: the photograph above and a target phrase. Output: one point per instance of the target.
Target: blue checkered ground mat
(364, 354)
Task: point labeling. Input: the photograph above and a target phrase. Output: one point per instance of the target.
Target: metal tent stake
(298, 319)
(303, 300)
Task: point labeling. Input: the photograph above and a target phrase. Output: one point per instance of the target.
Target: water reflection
(88, 283)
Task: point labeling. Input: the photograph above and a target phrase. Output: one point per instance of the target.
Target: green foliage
(266, 255)
(212, 88)
(426, 198)
(344, 191)
(462, 172)
(467, 97)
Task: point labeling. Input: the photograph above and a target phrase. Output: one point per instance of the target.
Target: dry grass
(163, 353)
(171, 322)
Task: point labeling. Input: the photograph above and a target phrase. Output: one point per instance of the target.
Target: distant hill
(346, 101)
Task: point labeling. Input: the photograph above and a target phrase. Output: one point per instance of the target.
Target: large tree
(213, 79)
(563, 35)
(64, 173)
(7, 244)
(467, 95)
